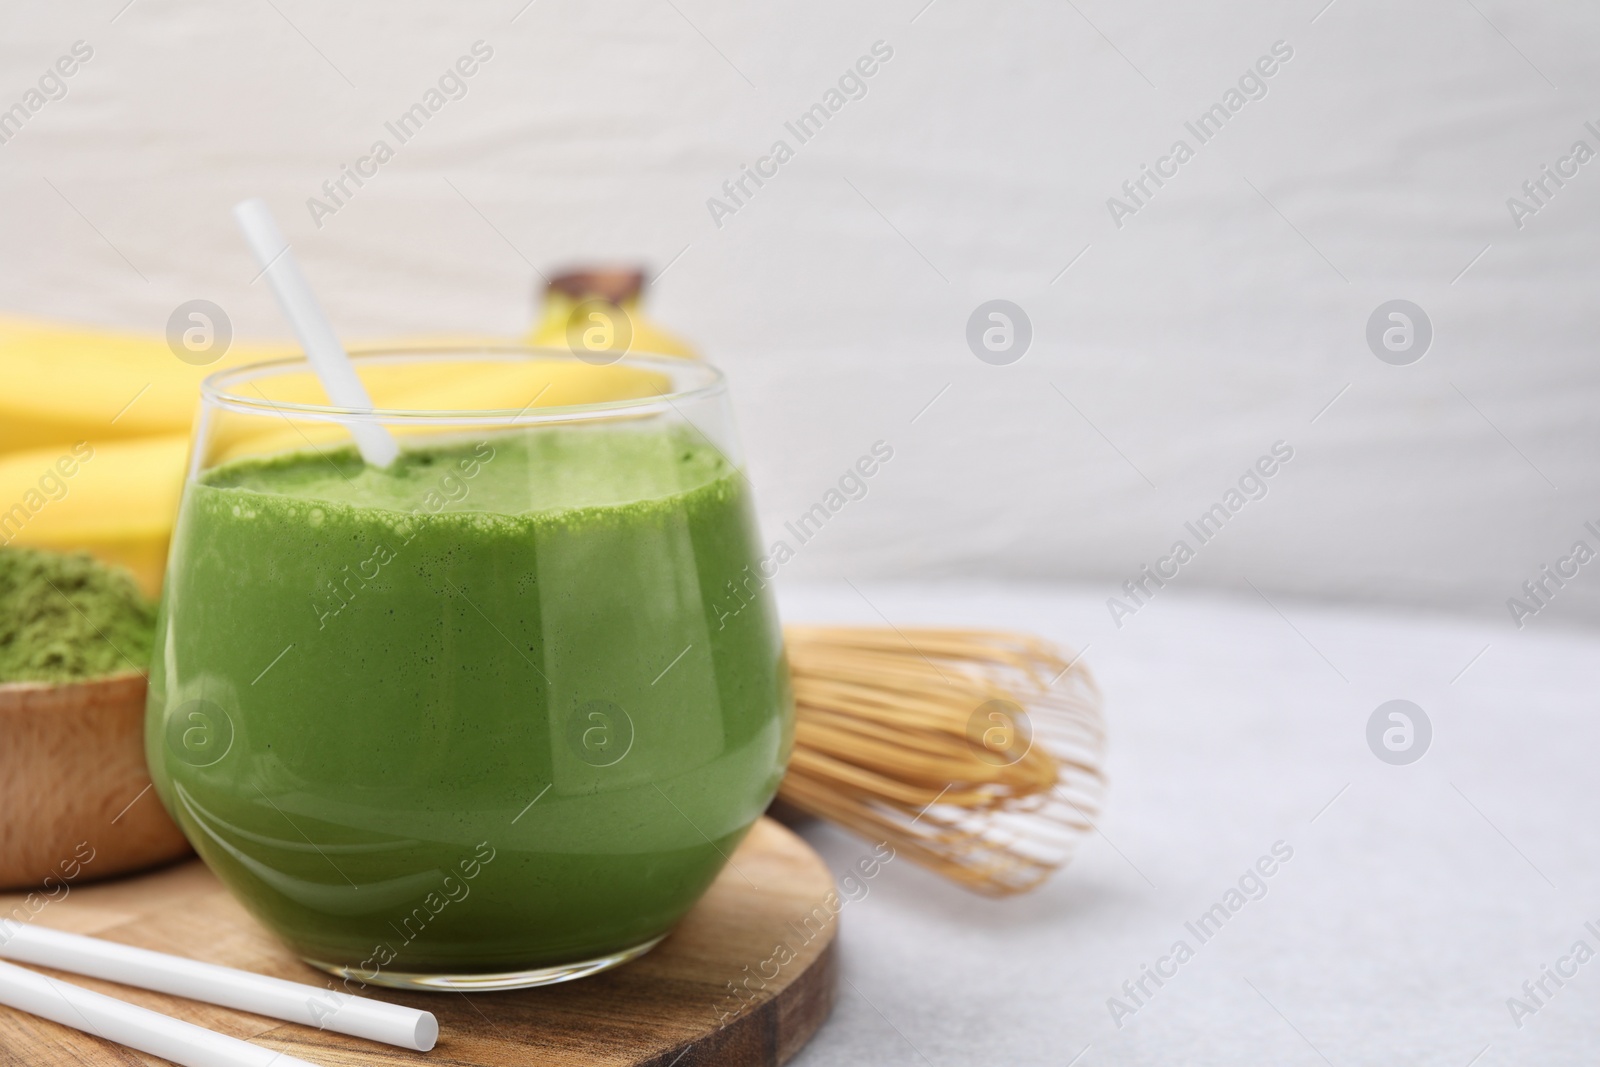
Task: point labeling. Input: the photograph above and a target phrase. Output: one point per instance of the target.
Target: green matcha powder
(65, 618)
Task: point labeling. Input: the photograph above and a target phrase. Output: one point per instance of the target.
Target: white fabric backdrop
(1220, 318)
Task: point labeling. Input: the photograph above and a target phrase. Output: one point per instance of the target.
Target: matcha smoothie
(477, 713)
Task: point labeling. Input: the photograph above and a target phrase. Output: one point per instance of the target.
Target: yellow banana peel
(65, 384)
(459, 386)
(115, 499)
(95, 423)
(595, 325)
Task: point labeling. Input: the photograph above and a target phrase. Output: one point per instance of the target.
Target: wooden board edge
(773, 1033)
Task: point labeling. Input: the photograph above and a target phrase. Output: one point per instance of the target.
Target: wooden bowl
(76, 803)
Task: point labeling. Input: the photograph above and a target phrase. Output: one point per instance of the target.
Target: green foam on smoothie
(67, 618)
(536, 471)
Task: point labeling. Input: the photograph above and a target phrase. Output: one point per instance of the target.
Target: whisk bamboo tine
(893, 740)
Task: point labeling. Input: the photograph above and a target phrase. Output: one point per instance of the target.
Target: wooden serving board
(672, 1007)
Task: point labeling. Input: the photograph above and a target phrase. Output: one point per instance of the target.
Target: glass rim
(220, 388)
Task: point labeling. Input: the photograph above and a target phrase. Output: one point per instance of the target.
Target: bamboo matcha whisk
(976, 753)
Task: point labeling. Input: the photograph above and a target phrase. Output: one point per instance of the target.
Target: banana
(65, 384)
(95, 423)
(115, 499)
(470, 385)
(595, 324)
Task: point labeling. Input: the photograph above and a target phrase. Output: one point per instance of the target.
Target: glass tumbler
(492, 716)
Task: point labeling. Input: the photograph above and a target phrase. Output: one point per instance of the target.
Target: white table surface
(1414, 906)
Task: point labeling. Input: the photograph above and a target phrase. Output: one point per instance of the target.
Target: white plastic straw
(134, 1027)
(311, 326)
(275, 997)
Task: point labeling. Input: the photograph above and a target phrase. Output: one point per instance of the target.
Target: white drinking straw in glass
(299, 305)
(131, 1026)
(278, 998)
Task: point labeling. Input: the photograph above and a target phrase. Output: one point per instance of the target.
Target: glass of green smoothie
(493, 716)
